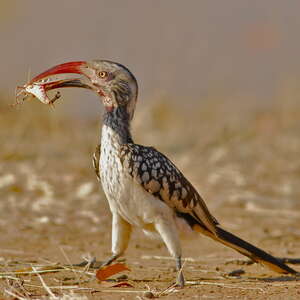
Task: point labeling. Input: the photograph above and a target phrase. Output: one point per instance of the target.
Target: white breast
(126, 197)
(110, 166)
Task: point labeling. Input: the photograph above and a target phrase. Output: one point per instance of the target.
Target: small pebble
(149, 295)
(236, 273)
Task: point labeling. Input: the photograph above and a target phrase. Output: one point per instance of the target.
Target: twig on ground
(48, 290)
(10, 293)
(69, 262)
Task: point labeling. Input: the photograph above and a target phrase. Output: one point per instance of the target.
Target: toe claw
(180, 280)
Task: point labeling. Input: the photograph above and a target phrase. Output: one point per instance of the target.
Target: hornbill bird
(143, 187)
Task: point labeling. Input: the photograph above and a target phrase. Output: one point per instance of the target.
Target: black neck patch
(118, 120)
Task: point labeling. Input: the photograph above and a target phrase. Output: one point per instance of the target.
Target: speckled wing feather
(160, 177)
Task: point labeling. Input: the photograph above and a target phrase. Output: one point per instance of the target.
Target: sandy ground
(53, 211)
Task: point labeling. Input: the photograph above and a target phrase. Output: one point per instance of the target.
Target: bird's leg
(94, 264)
(121, 231)
(180, 278)
(110, 260)
(170, 237)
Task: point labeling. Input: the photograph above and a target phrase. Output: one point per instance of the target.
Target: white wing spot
(154, 173)
(177, 185)
(145, 177)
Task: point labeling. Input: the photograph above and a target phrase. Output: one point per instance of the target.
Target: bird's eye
(102, 74)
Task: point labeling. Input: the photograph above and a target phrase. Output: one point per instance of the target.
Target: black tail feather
(247, 249)
(253, 252)
(222, 236)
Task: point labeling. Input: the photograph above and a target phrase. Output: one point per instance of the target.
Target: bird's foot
(180, 280)
(94, 264)
(91, 264)
(180, 277)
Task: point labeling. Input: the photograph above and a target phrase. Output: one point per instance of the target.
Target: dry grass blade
(167, 258)
(10, 293)
(17, 288)
(48, 290)
(169, 290)
(8, 277)
(69, 262)
(42, 270)
(30, 271)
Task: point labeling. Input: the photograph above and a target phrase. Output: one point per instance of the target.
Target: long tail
(245, 248)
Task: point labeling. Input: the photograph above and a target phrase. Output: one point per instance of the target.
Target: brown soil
(54, 212)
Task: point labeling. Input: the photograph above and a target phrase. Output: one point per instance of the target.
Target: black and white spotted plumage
(161, 178)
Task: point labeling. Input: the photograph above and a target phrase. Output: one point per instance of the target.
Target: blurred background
(219, 94)
(187, 51)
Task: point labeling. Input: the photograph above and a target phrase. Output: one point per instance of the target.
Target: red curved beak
(40, 84)
(70, 67)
